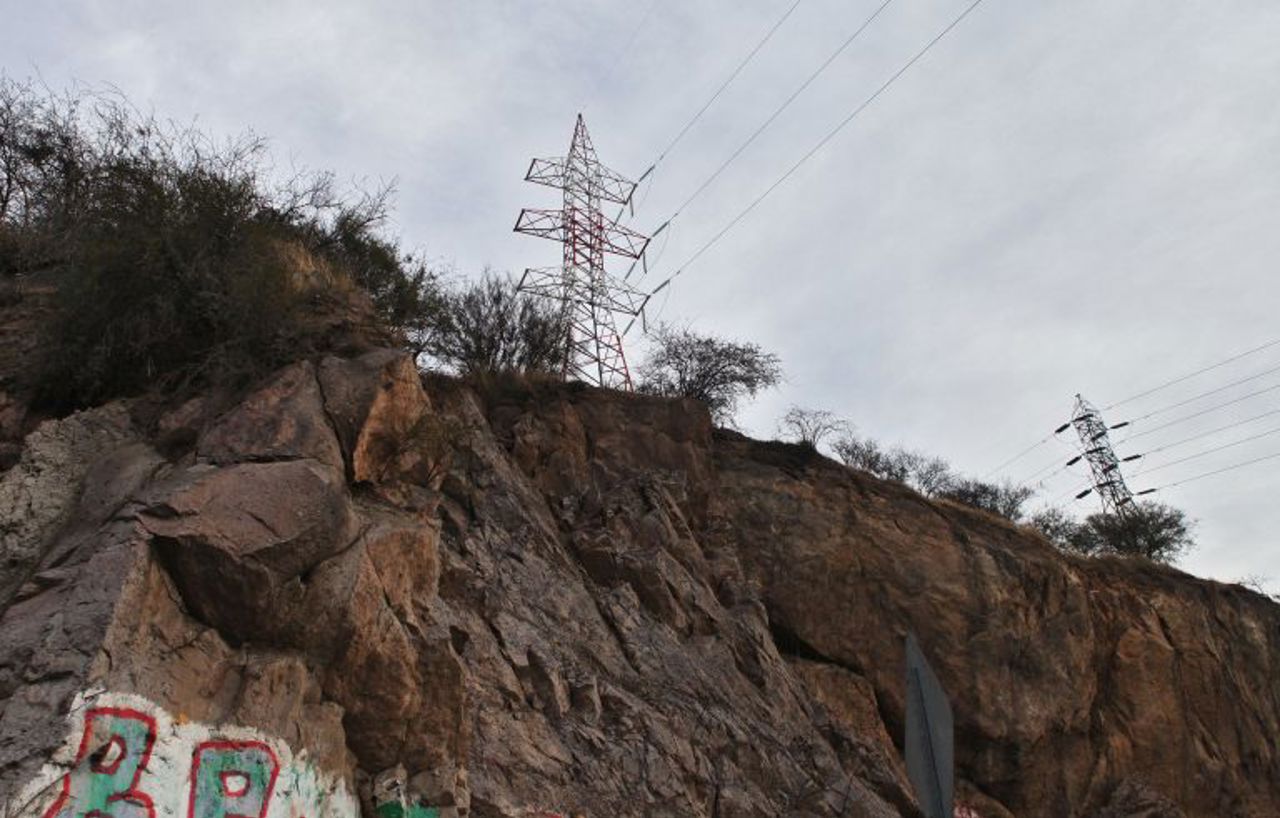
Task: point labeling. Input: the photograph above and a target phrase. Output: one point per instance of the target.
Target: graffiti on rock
(103, 780)
(127, 758)
(393, 809)
(232, 779)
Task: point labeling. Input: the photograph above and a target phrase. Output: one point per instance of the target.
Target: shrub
(928, 475)
(1153, 530)
(809, 427)
(176, 260)
(931, 476)
(487, 327)
(1005, 499)
(717, 372)
(869, 456)
(406, 294)
(1060, 528)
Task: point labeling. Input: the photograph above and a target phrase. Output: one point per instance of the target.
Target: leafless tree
(1005, 499)
(810, 427)
(488, 327)
(718, 372)
(928, 475)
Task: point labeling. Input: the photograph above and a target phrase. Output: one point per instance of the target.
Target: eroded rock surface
(552, 600)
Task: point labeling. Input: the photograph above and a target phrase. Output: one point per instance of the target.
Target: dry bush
(487, 327)
(810, 427)
(717, 372)
(171, 251)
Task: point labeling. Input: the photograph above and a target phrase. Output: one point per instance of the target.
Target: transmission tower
(591, 298)
(1108, 482)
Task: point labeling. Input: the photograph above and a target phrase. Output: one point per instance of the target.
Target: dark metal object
(928, 743)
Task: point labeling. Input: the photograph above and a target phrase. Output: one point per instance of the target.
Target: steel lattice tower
(592, 299)
(1108, 482)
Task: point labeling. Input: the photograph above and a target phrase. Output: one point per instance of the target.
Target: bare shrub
(810, 427)
(928, 475)
(488, 327)
(1005, 499)
(717, 372)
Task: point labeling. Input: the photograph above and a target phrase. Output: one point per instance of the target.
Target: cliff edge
(353, 591)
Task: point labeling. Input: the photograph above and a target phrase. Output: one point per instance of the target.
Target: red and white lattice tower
(592, 299)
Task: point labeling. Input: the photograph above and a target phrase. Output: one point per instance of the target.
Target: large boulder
(239, 539)
(285, 419)
(379, 409)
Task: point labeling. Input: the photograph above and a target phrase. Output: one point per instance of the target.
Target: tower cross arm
(606, 184)
(623, 241)
(547, 224)
(614, 187)
(552, 224)
(549, 172)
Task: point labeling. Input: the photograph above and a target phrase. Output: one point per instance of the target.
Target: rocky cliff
(349, 592)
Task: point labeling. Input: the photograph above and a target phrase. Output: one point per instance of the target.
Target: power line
(729, 81)
(1195, 398)
(1208, 452)
(1211, 473)
(1076, 491)
(1050, 465)
(1196, 456)
(653, 166)
(1194, 415)
(1191, 375)
(631, 41)
(778, 111)
(821, 143)
(1044, 473)
(1200, 435)
(1019, 456)
(612, 72)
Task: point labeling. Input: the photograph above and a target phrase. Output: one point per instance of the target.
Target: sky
(1061, 197)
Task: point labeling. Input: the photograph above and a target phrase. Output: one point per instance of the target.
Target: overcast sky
(1062, 196)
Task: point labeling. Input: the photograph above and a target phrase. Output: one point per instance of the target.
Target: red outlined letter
(232, 779)
(103, 780)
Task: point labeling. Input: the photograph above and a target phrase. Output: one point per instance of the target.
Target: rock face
(350, 593)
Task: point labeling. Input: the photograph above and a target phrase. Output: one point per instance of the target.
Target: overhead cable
(1194, 478)
(1207, 452)
(821, 143)
(1201, 413)
(1200, 435)
(779, 110)
(653, 166)
(1195, 398)
(728, 81)
(1019, 456)
(1191, 375)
